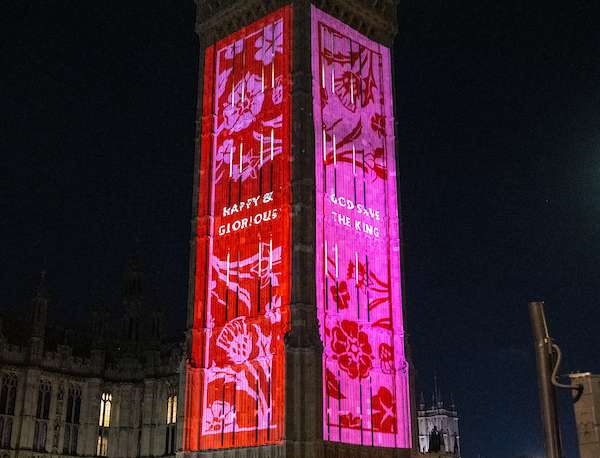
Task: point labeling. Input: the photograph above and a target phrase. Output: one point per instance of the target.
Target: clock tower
(295, 329)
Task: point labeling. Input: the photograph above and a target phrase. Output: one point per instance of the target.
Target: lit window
(105, 407)
(104, 424)
(171, 409)
(171, 423)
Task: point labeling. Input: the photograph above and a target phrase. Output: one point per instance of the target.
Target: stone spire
(437, 400)
(422, 402)
(39, 317)
(133, 295)
(99, 321)
(40, 308)
(133, 284)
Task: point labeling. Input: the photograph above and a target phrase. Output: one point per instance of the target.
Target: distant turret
(142, 320)
(438, 424)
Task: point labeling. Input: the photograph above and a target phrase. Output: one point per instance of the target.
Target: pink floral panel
(359, 298)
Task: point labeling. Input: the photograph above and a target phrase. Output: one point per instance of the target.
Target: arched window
(8, 396)
(42, 415)
(171, 421)
(104, 424)
(72, 421)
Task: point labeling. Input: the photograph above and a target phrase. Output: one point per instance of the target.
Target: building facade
(107, 391)
(587, 414)
(438, 426)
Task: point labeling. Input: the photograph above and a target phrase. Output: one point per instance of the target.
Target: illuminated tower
(295, 344)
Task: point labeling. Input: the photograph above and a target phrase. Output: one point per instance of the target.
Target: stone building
(110, 390)
(587, 414)
(438, 426)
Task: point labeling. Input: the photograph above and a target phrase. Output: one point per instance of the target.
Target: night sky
(498, 107)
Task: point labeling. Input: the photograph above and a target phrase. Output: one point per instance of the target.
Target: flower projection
(365, 386)
(247, 97)
(384, 411)
(351, 348)
(235, 377)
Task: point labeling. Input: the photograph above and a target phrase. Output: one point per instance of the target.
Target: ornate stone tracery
(374, 18)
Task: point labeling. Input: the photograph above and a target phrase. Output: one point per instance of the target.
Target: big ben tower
(295, 341)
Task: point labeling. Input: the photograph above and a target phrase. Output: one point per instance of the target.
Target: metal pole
(545, 360)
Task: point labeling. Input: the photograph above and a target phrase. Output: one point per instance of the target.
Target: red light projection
(235, 382)
(359, 301)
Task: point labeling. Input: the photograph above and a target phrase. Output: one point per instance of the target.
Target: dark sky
(498, 105)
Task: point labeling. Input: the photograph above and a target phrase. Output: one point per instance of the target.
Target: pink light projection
(359, 300)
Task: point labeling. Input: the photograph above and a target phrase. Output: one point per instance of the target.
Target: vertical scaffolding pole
(545, 361)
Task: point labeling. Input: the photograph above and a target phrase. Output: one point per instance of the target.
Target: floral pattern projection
(235, 383)
(365, 388)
